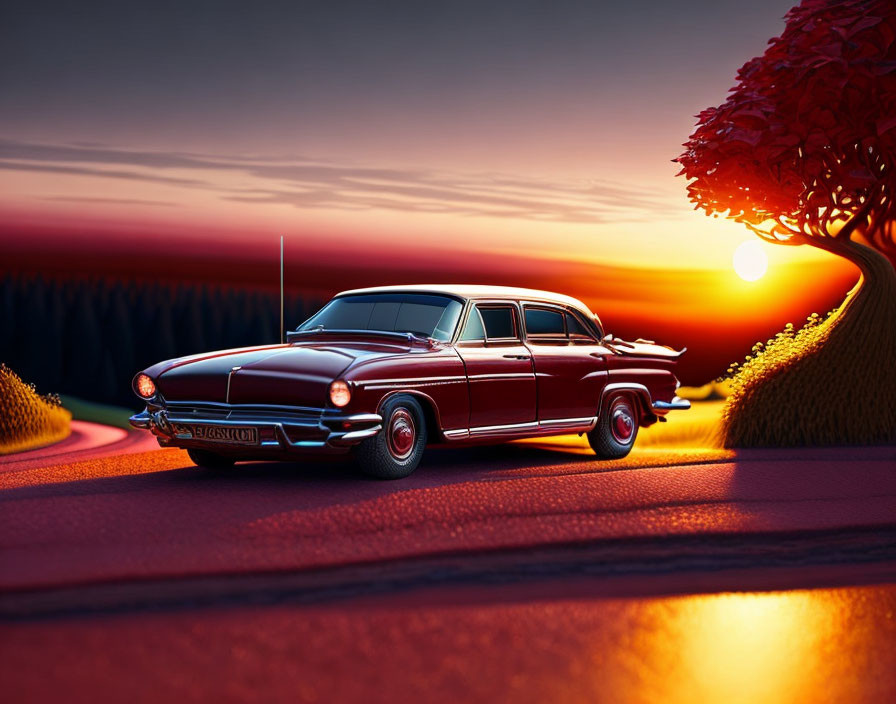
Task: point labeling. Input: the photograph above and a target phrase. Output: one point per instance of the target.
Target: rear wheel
(396, 450)
(210, 460)
(616, 429)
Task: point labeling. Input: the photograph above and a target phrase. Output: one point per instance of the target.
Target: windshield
(425, 315)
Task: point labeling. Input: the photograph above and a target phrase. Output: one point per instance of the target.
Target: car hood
(289, 375)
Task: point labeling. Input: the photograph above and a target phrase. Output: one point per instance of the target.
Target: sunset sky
(545, 129)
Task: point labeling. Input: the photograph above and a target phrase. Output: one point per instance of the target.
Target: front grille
(236, 412)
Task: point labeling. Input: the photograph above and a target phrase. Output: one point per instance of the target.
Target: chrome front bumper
(279, 428)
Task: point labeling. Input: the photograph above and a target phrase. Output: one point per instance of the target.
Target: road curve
(87, 441)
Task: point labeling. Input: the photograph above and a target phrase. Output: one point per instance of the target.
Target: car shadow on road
(322, 481)
(440, 466)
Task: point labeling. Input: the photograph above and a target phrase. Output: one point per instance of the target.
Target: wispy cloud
(306, 183)
(101, 173)
(112, 201)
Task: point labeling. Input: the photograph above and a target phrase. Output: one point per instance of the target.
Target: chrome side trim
(439, 380)
(456, 434)
(532, 428)
(410, 387)
(558, 423)
(499, 376)
(412, 380)
(502, 429)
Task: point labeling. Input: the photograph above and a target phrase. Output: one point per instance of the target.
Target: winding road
(121, 562)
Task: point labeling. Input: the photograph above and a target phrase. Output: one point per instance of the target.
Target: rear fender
(637, 391)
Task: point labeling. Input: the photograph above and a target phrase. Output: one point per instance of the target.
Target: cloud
(306, 183)
(112, 201)
(102, 173)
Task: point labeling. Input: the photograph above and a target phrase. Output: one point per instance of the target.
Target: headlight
(340, 394)
(144, 386)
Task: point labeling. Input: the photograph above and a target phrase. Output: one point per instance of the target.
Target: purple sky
(539, 127)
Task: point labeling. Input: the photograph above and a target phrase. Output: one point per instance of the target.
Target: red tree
(803, 152)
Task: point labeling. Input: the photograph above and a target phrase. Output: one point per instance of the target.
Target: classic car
(384, 372)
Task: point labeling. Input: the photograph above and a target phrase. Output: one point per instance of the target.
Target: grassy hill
(27, 419)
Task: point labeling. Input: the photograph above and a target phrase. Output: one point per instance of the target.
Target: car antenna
(281, 289)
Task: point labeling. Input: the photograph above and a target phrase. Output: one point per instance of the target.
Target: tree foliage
(803, 149)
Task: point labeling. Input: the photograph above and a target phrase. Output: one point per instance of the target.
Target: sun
(750, 261)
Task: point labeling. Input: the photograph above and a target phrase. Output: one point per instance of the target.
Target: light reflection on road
(801, 646)
(483, 645)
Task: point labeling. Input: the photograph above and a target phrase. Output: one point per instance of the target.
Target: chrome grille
(226, 411)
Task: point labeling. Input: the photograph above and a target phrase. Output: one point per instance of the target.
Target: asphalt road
(87, 441)
(306, 581)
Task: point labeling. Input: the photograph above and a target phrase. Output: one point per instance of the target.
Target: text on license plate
(242, 434)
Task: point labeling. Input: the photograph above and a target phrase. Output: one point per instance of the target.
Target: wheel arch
(430, 409)
(639, 392)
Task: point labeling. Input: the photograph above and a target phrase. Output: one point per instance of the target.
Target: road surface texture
(524, 572)
(86, 441)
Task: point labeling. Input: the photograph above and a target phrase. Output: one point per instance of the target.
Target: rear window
(576, 328)
(540, 321)
(498, 322)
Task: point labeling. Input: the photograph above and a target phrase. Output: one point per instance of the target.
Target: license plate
(239, 434)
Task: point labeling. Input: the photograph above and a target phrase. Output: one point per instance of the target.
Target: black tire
(396, 450)
(210, 460)
(614, 435)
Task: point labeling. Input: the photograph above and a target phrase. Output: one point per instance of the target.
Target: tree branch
(860, 217)
(793, 238)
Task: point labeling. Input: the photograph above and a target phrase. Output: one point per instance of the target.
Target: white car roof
(476, 291)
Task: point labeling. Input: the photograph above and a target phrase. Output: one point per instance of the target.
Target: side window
(499, 322)
(473, 330)
(544, 321)
(577, 331)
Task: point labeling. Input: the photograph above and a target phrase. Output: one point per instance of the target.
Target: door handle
(517, 356)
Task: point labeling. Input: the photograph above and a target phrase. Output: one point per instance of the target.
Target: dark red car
(385, 371)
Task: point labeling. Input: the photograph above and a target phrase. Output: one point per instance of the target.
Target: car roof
(475, 291)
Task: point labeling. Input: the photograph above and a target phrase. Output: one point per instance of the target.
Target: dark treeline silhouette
(88, 337)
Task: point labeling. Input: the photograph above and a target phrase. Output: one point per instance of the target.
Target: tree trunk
(839, 386)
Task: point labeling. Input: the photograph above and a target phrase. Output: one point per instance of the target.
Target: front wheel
(396, 450)
(616, 429)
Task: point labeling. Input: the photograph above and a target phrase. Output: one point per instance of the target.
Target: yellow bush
(713, 391)
(695, 429)
(28, 419)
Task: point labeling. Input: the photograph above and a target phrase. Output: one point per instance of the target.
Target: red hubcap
(402, 434)
(622, 422)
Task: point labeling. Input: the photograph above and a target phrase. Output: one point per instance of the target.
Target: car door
(499, 369)
(569, 363)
